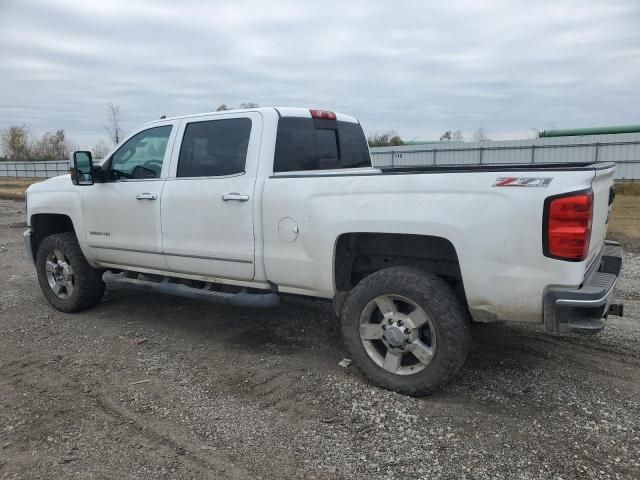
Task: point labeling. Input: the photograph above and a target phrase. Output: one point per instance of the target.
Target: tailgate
(603, 194)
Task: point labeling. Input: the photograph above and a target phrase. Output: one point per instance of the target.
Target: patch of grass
(12, 188)
(628, 188)
(624, 223)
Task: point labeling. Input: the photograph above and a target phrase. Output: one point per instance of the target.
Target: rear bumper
(582, 310)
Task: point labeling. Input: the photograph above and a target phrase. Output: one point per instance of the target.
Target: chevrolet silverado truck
(246, 206)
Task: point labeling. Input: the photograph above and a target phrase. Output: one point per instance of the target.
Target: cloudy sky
(419, 68)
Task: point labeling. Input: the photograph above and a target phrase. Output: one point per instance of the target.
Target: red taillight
(568, 226)
(323, 114)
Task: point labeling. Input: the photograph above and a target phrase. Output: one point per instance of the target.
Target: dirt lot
(223, 392)
(13, 188)
(624, 224)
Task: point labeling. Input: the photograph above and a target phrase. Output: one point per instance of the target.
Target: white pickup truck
(245, 206)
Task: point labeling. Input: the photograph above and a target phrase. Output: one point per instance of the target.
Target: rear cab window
(304, 144)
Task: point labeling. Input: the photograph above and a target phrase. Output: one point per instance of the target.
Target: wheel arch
(45, 224)
(359, 254)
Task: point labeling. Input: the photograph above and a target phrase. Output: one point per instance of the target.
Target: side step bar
(242, 298)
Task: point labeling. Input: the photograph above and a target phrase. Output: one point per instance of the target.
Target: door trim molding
(201, 257)
(205, 257)
(132, 250)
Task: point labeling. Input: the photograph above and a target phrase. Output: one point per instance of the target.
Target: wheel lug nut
(407, 331)
(400, 323)
(384, 327)
(390, 321)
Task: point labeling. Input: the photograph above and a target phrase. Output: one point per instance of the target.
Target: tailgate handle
(235, 197)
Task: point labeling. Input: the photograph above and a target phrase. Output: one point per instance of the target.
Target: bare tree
(114, 119)
(51, 146)
(222, 108)
(452, 136)
(15, 143)
(385, 139)
(20, 145)
(100, 150)
(249, 105)
(481, 135)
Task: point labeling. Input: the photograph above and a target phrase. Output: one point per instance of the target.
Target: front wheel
(66, 279)
(406, 330)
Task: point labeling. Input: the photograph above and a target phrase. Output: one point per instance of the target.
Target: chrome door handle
(235, 196)
(146, 196)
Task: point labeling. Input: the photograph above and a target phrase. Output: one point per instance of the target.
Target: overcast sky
(419, 68)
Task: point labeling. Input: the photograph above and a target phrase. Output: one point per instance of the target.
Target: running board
(242, 298)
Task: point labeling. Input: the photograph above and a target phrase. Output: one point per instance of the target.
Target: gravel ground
(223, 392)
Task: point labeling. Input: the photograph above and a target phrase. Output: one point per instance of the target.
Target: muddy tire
(66, 279)
(406, 330)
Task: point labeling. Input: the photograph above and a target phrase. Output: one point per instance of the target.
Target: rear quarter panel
(497, 232)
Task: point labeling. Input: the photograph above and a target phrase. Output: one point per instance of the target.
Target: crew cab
(245, 206)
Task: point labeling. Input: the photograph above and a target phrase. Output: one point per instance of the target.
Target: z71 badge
(522, 182)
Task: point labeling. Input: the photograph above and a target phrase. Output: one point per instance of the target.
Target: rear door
(208, 201)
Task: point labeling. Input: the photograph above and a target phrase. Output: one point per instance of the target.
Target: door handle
(146, 196)
(235, 196)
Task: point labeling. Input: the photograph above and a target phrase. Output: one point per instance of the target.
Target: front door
(208, 200)
(122, 215)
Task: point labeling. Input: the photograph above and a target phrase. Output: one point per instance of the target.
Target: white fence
(34, 169)
(624, 149)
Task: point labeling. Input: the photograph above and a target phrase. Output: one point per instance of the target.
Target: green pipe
(572, 132)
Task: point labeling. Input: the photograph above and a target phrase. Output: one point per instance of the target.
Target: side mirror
(82, 169)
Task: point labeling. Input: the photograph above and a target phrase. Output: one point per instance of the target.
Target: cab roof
(281, 111)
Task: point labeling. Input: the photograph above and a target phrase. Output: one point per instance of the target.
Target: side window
(142, 155)
(214, 148)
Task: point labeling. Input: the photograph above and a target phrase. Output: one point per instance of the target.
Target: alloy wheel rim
(59, 274)
(397, 334)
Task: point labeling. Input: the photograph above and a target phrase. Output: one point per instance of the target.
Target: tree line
(19, 144)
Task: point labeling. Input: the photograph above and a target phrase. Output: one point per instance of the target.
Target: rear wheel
(66, 279)
(406, 330)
